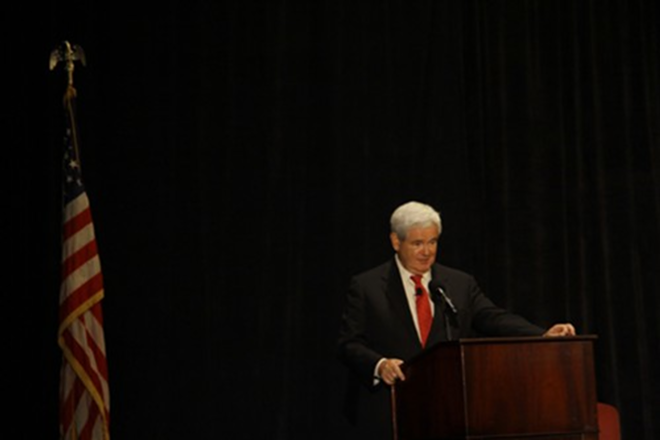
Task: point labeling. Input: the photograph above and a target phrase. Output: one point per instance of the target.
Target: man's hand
(390, 371)
(560, 330)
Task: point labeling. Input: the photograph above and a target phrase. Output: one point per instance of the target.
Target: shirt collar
(406, 274)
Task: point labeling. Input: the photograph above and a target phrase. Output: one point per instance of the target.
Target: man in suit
(411, 302)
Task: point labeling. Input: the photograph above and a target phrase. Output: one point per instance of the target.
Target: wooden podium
(499, 388)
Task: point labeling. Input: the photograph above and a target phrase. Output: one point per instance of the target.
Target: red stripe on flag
(76, 223)
(69, 403)
(84, 360)
(78, 297)
(79, 258)
(97, 351)
(93, 417)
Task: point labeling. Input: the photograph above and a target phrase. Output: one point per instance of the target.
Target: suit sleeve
(490, 320)
(354, 348)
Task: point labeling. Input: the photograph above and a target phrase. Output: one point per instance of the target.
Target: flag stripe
(78, 240)
(87, 431)
(71, 394)
(77, 222)
(78, 278)
(81, 342)
(93, 383)
(90, 391)
(84, 347)
(74, 207)
(79, 258)
(75, 303)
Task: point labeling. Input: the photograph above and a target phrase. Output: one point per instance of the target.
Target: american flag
(84, 393)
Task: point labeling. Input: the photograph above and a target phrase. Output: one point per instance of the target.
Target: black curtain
(243, 158)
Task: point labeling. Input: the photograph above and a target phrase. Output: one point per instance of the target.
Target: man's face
(418, 250)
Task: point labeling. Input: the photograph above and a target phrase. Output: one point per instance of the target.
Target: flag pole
(68, 54)
(84, 389)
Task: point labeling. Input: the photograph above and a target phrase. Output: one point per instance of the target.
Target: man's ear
(394, 239)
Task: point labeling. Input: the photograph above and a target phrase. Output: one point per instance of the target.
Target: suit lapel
(399, 303)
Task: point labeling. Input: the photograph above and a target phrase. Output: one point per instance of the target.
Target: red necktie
(424, 316)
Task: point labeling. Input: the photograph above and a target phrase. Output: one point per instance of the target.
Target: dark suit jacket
(377, 323)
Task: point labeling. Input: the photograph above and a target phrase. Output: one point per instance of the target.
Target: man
(397, 309)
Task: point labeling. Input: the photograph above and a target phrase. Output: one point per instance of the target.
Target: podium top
(510, 339)
(489, 341)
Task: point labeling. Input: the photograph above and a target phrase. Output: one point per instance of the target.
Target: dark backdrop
(242, 159)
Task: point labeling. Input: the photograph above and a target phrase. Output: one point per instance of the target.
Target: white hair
(413, 214)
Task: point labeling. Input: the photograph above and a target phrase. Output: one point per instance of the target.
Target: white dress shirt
(409, 288)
